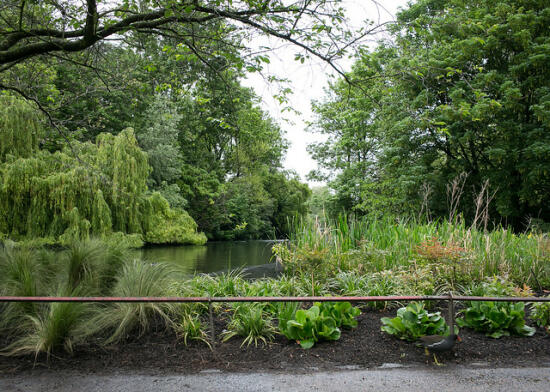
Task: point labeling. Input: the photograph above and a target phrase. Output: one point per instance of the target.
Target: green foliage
(458, 88)
(342, 312)
(322, 321)
(251, 322)
(540, 314)
(137, 278)
(286, 311)
(159, 139)
(21, 274)
(190, 326)
(20, 128)
(308, 326)
(58, 325)
(392, 247)
(413, 321)
(170, 226)
(496, 319)
(103, 190)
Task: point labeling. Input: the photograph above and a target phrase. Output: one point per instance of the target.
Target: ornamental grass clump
(413, 321)
(137, 278)
(54, 326)
(21, 274)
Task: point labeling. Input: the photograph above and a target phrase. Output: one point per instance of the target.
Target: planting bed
(364, 346)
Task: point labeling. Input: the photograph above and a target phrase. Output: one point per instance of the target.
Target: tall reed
(385, 244)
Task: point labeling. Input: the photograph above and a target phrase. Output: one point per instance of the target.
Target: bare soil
(161, 352)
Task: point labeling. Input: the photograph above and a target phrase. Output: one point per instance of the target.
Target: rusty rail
(209, 300)
(271, 299)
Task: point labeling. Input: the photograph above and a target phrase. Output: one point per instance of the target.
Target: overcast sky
(307, 82)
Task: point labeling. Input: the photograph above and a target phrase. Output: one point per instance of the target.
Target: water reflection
(212, 257)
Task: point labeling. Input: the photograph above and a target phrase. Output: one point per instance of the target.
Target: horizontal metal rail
(271, 299)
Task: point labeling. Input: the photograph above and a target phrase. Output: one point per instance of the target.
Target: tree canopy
(461, 87)
(57, 197)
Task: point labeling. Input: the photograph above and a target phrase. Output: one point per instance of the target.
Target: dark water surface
(212, 257)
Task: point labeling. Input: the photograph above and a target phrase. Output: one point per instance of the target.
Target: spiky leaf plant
(190, 326)
(251, 322)
(84, 261)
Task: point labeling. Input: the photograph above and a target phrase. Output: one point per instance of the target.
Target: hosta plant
(309, 326)
(342, 312)
(540, 314)
(320, 322)
(414, 321)
(496, 319)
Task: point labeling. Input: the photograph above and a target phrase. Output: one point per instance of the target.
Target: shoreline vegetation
(343, 257)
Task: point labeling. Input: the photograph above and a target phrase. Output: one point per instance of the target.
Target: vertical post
(211, 316)
(452, 312)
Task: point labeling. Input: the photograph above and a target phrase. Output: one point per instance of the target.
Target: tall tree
(461, 88)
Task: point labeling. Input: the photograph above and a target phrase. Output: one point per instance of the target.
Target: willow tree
(88, 189)
(15, 116)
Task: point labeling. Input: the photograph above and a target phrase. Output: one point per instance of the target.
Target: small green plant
(496, 319)
(414, 321)
(286, 311)
(342, 312)
(251, 322)
(308, 326)
(320, 322)
(540, 314)
(191, 328)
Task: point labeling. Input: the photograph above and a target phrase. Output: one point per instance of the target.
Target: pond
(212, 257)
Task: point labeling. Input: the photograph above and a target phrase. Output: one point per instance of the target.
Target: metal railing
(387, 298)
(209, 300)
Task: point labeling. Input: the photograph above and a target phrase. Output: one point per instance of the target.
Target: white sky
(307, 82)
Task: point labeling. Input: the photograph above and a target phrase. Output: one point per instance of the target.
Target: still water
(212, 257)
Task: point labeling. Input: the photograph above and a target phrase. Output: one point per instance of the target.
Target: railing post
(212, 329)
(451, 311)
